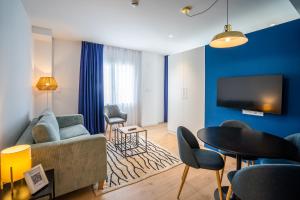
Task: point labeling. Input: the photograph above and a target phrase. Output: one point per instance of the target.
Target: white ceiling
(115, 22)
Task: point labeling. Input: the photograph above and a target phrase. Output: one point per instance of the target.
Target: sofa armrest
(78, 162)
(69, 120)
(123, 116)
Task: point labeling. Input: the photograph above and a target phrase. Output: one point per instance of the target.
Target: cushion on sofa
(73, 131)
(46, 130)
(26, 137)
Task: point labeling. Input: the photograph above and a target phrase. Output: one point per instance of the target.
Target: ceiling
(147, 27)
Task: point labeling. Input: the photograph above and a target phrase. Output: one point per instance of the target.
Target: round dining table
(246, 143)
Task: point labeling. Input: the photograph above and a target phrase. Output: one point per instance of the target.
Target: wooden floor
(200, 184)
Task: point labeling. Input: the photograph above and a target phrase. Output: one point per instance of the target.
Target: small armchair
(113, 115)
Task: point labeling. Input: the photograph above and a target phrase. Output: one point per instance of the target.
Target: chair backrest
(295, 140)
(235, 124)
(267, 182)
(112, 111)
(186, 143)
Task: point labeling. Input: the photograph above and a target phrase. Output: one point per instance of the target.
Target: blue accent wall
(274, 50)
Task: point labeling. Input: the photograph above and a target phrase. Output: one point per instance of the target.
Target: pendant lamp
(228, 38)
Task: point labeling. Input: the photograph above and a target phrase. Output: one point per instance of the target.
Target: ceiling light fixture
(135, 3)
(228, 38)
(187, 10)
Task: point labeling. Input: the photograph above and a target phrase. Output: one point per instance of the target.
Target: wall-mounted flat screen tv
(256, 93)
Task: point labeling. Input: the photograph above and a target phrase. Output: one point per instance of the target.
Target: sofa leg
(101, 185)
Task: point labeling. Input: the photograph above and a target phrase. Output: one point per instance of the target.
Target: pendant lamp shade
(228, 38)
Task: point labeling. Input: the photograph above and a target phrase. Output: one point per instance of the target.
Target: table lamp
(15, 161)
(47, 83)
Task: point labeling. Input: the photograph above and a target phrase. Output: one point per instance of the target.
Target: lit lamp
(15, 161)
(228, 38)
(47, 84)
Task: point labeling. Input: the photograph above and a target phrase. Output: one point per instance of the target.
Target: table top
(21, 186)
(127, 130)
(247, 142)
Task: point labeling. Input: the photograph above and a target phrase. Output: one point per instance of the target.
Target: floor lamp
(47, 83)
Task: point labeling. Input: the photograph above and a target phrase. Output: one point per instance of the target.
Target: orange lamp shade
(47, 83)
(19, 159)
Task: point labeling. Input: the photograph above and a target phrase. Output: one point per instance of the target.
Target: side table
(129, 139)
(47, 191)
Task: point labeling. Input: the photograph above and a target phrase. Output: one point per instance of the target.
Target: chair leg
(123, 124)
(222, 171)
(229, 193)
(248, 162)
(110, 130)
(219, 185)
(183, 178)
(106, 127)
(253, 162)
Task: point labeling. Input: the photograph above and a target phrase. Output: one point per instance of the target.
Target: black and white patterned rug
(123, 171)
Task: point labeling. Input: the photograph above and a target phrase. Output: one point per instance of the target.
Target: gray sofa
(78, 158)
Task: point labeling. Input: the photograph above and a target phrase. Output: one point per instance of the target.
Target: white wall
(67, 68)
(152, 89)
(15, 71)
(42, 59)
(186, 90)
(66, 71)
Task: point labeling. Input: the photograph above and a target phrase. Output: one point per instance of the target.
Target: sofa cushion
(45, 112)
(46, 130)
(73, 131)
(26, 137)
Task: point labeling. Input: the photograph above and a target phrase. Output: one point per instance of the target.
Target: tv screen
(256, 93)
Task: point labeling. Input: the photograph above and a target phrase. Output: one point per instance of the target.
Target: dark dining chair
(191, 154)
(267, 182)
(235, 124)
(295, 140)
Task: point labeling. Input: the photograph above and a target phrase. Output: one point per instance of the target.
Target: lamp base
(20, 191)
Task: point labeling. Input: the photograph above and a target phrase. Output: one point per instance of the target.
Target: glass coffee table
(131, 140)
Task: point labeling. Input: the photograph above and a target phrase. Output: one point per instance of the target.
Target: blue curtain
(166, 90)
(91, 92)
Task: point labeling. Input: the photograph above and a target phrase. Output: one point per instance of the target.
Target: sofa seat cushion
(73, 131)
(46, 130)
(115, 120)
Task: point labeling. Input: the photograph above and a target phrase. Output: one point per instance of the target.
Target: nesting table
(131, 140)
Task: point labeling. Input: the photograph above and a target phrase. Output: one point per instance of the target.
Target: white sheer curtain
(122, 80)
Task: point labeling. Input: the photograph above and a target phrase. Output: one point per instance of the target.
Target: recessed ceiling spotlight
(272, 25)
(170, 36)
(135, 3)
